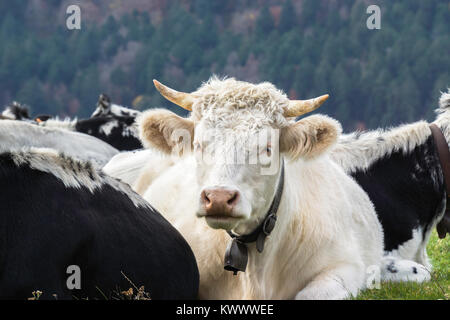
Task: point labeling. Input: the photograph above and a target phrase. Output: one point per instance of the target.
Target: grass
(438, 288)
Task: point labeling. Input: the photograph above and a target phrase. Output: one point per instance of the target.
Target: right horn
(183, 99)
(297, 108)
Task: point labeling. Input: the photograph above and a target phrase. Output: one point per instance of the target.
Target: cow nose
(219, 201)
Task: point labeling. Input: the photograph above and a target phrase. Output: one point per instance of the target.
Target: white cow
(138, 168)
(18, 134)
(327, 236)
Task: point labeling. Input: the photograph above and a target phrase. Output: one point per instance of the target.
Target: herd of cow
(237, 201)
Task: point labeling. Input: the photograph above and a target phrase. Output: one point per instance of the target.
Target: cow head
(239, 133)
(103, 106)
(108, 109)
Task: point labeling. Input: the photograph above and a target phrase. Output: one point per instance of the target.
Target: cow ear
(309, 137)
(165, 131)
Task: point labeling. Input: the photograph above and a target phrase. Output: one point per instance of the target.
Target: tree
(264, 23)
(288, 18)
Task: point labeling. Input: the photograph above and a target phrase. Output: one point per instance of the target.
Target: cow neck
(443, 227)
(236, 254)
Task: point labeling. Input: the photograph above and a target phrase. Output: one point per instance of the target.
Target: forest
(305, 47)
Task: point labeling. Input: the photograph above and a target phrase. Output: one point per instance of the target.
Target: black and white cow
(400, 170)
(119, 132)
(90, 228)
(18, 134)
(111, 123)
(108, 109)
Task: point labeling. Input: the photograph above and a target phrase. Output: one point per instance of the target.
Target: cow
(111, 123)
(399, 169)
(324, 233)
(401, 172)
(108, 109)
(92, 237)
(19, 134)
(119, 132)
(16, 111)
(138, 168)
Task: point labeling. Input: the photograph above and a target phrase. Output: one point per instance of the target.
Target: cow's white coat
(327, 234)
(18, 134)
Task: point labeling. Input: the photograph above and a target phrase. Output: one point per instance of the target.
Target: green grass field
(437, 288)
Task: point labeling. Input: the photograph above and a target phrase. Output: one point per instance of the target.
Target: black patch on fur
(403, 191)
(414, 269)
(45, 227)
(116, 138)
(391, 267)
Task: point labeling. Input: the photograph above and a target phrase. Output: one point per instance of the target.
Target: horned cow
(324, 232)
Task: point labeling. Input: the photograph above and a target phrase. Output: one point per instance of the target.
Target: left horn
(298, 107)
(183, 99)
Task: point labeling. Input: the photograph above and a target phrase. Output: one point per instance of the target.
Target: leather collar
(236, 255)
(443, 227)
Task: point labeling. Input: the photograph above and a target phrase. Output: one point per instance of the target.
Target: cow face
(238, 133)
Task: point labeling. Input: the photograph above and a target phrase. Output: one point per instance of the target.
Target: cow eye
(268, 151)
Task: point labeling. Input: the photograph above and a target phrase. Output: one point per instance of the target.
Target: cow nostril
(205, 198)
(233, 199)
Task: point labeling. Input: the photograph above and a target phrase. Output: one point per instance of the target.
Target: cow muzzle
(219, 206)
(219, 202)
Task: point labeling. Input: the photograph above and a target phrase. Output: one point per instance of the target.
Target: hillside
(305, 47)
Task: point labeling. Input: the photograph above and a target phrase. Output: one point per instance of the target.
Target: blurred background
(305, 47)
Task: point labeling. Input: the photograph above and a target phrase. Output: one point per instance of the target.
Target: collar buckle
(269, 224)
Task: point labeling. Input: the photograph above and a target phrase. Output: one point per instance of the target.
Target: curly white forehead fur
(228, 103)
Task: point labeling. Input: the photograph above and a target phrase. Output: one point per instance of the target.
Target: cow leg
(395, 269)
(334, 284)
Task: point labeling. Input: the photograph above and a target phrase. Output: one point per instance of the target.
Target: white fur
(116, 110)
(108, 127)
(413, 249)
(66, 124)
(15, 135)
(359, 150)
(72, 172)
(126, 166)
(398, 270)
(322, 244)
(7, 113)
(131, 131)
(443, 118)
(359, 153)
